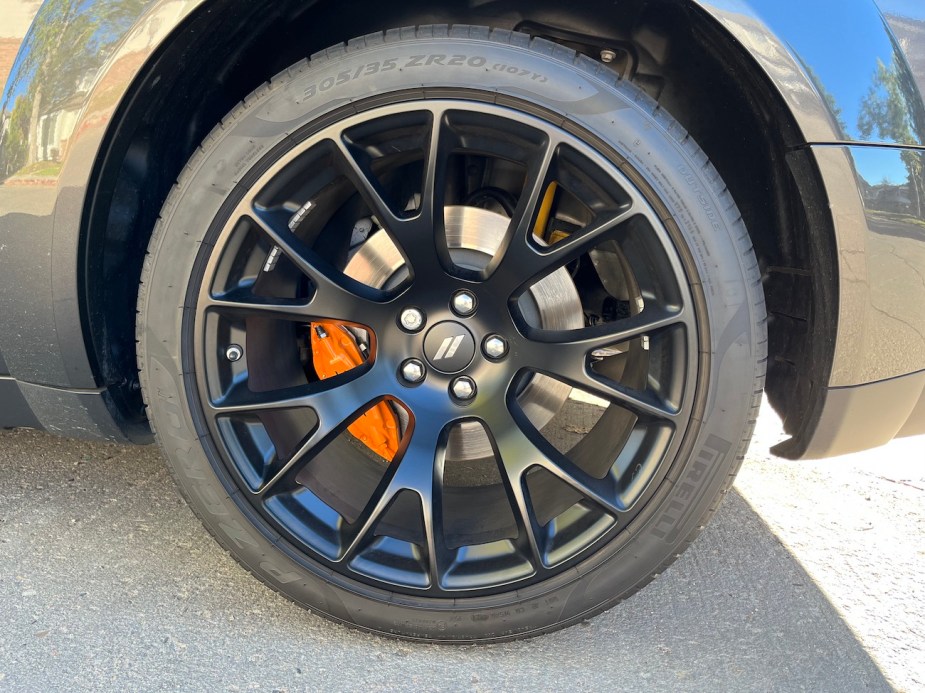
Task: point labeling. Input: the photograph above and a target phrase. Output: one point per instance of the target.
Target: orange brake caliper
(335, 351)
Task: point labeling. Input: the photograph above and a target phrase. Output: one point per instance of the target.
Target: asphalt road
(809, 578)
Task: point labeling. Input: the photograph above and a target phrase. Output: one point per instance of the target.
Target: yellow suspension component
(335, 351)
(542, 219)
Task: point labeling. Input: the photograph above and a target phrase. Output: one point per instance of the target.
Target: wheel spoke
(433, 193)
(245, 304)
(241, 400)
(504, 267)
(432, 506)
(381, 498)
(522, 447)
(334, 410)
(419, 469)
(337, 296)
(563, 355)
(569, 345)
(355, 164)
(332, 400)
(423, 237)
(513, 476)
(566, 250)
(524, 262)
(644, 403)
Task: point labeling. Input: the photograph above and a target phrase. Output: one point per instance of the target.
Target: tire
(718, 359)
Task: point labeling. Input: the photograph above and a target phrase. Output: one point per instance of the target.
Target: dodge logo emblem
(449, 347)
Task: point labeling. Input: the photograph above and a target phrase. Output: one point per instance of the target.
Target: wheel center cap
(449, 347)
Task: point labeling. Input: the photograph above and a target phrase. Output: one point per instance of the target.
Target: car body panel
(880, 228)
(907, 21)
(43, 200)
(864, 416)
(830, 84)
(14, 410)
(45, 203)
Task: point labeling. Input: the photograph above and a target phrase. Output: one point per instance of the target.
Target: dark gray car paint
(40, 215)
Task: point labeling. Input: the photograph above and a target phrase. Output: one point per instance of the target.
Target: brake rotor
(473, 237)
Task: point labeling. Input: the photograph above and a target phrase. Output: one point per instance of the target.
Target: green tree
(885, 114)
(830, 100)
(69, 39)
(16, 144)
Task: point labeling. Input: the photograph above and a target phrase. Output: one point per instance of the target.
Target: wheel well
(670, 48)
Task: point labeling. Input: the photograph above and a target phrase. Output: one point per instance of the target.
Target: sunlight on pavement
(857, 525)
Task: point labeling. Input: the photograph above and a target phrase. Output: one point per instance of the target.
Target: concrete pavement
(807, 579)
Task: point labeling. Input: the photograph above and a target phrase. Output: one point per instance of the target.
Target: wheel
(450, 335)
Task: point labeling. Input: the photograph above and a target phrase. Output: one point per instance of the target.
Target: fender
(65, 87)
(825, 61)
(73, 68)
(44, 174)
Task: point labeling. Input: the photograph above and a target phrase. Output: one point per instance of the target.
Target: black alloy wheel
(443, 353)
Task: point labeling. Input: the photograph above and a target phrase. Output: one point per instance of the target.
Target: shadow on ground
(107, 581)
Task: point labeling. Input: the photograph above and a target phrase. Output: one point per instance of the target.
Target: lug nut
(412, 371)
(494, 347)
(464, 303)
(412, 319)
(463, 388)
(234, 352)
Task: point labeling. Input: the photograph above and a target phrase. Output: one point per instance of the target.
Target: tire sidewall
(657, 155)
